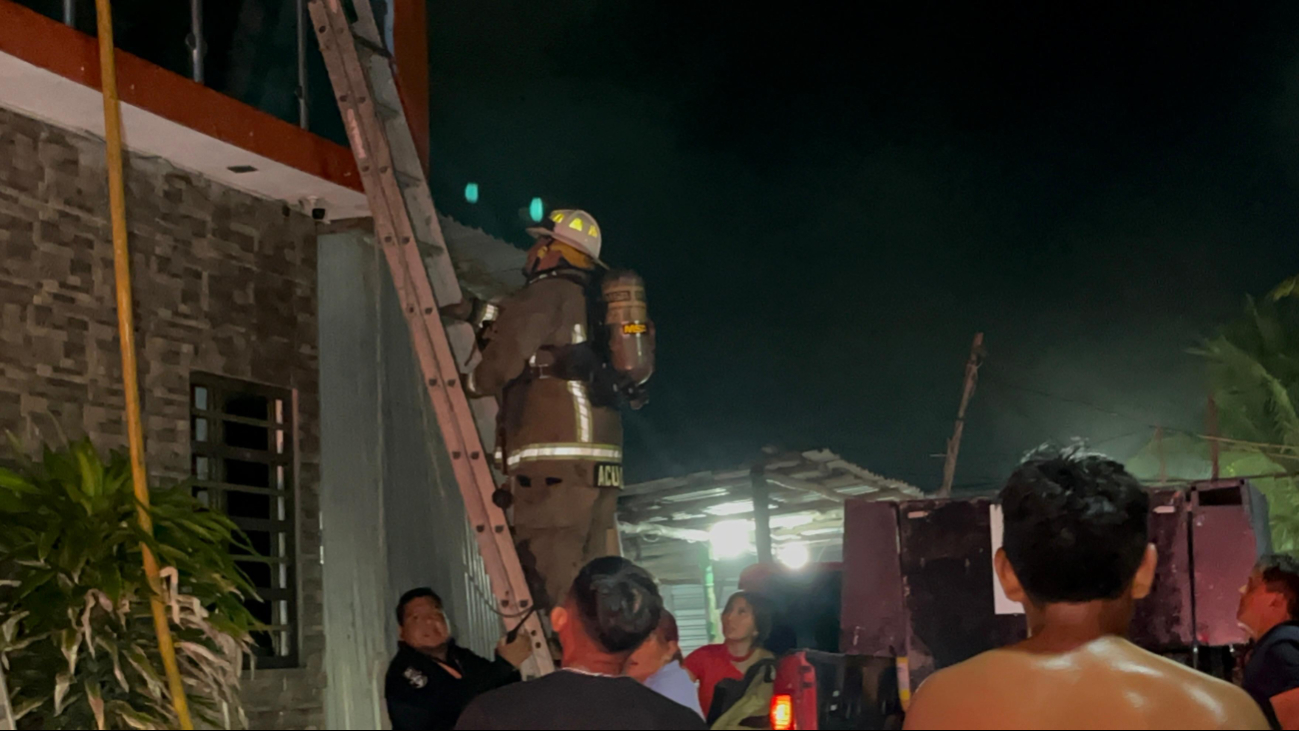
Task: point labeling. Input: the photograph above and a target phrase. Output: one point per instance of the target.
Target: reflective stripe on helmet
(537, 452)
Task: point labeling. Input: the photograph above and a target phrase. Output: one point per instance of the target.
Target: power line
(1191, 480)
(1066, 399)
(1107, 440)
(1019, 407)
(1269, 448)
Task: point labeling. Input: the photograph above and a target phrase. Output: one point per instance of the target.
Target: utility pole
(1163, 460)
(954, 444)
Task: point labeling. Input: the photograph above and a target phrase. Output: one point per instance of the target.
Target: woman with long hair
(746, 624)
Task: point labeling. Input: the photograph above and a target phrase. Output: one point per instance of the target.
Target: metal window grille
(242, 452)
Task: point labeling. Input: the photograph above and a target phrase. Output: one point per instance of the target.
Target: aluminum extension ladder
(406, 227)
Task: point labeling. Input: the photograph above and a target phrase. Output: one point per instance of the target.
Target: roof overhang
(51, 72)
(806, 490)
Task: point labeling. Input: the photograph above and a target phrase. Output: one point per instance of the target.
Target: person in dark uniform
(431, 679)
(1269, 611)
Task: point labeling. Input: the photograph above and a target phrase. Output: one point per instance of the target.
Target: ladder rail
(353, 75)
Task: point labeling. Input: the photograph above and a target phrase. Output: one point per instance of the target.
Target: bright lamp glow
(536, 209)
(471, 192)
(735, 508)
(730, 538)
(794, 555)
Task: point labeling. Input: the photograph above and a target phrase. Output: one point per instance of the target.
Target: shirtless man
(1076, 555)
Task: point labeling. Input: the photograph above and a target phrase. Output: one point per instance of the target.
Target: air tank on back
(630, 331)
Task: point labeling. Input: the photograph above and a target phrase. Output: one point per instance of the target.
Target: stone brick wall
(224, 282)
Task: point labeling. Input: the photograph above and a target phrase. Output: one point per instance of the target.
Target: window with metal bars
(241, 447)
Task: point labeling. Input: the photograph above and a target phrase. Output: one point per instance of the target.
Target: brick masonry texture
(224, 282)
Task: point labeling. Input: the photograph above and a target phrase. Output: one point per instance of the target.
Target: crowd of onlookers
(1076, 553)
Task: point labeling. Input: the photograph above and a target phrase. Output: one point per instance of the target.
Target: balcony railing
(261, 52)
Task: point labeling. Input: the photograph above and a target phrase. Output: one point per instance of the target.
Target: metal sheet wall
(689, 605)
(391, 513)
(429, 541)
(355, 586)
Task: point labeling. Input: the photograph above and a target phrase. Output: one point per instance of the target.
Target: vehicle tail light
(782, 712)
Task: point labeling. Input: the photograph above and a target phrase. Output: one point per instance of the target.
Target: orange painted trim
(55, 47)
(410, 51)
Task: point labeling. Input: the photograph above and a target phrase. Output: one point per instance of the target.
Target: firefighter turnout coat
(559, 434)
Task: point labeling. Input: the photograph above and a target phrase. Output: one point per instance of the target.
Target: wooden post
(130, 373)
(954, 444)
(1163, 460)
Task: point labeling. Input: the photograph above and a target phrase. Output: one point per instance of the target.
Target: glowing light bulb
(794, 555)
(730, 538)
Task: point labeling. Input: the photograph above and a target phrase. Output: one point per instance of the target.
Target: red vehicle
(816, 685)
(916, 593)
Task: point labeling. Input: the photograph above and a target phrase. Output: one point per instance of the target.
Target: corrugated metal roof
(807, 491)
(486, 266)
(812, 484)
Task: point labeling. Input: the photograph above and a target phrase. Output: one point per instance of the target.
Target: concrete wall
(392, 515)
(224, 283)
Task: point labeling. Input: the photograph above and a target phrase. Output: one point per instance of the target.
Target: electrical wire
(1265, 447)
(1175, 481)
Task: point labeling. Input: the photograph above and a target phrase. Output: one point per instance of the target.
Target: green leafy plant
(76, 635)
(1253, 365)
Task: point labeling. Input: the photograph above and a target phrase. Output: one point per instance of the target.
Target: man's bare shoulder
(1176, 683)
(961, 696)
(1106, 683)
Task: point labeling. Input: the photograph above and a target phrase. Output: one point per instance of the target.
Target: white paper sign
(1002, 604)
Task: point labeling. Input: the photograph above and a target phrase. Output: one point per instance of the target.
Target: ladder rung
(370, 45)
(388, 113)
(406, 180)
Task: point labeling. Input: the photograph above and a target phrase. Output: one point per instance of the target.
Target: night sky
(827, 206)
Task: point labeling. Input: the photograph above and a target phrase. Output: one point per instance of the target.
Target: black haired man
(612, 607)
(431, 679)
(1076, 554)
(1269, 611)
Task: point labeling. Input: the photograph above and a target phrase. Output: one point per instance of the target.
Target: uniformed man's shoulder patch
(416, 678)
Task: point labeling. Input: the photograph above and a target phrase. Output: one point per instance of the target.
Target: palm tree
(1253, 367)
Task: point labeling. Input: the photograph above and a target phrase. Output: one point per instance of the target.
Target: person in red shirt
(746, 623)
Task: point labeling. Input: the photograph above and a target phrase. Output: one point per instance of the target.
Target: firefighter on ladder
(560, 354)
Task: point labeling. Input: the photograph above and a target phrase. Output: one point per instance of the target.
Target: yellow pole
(126, 332)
